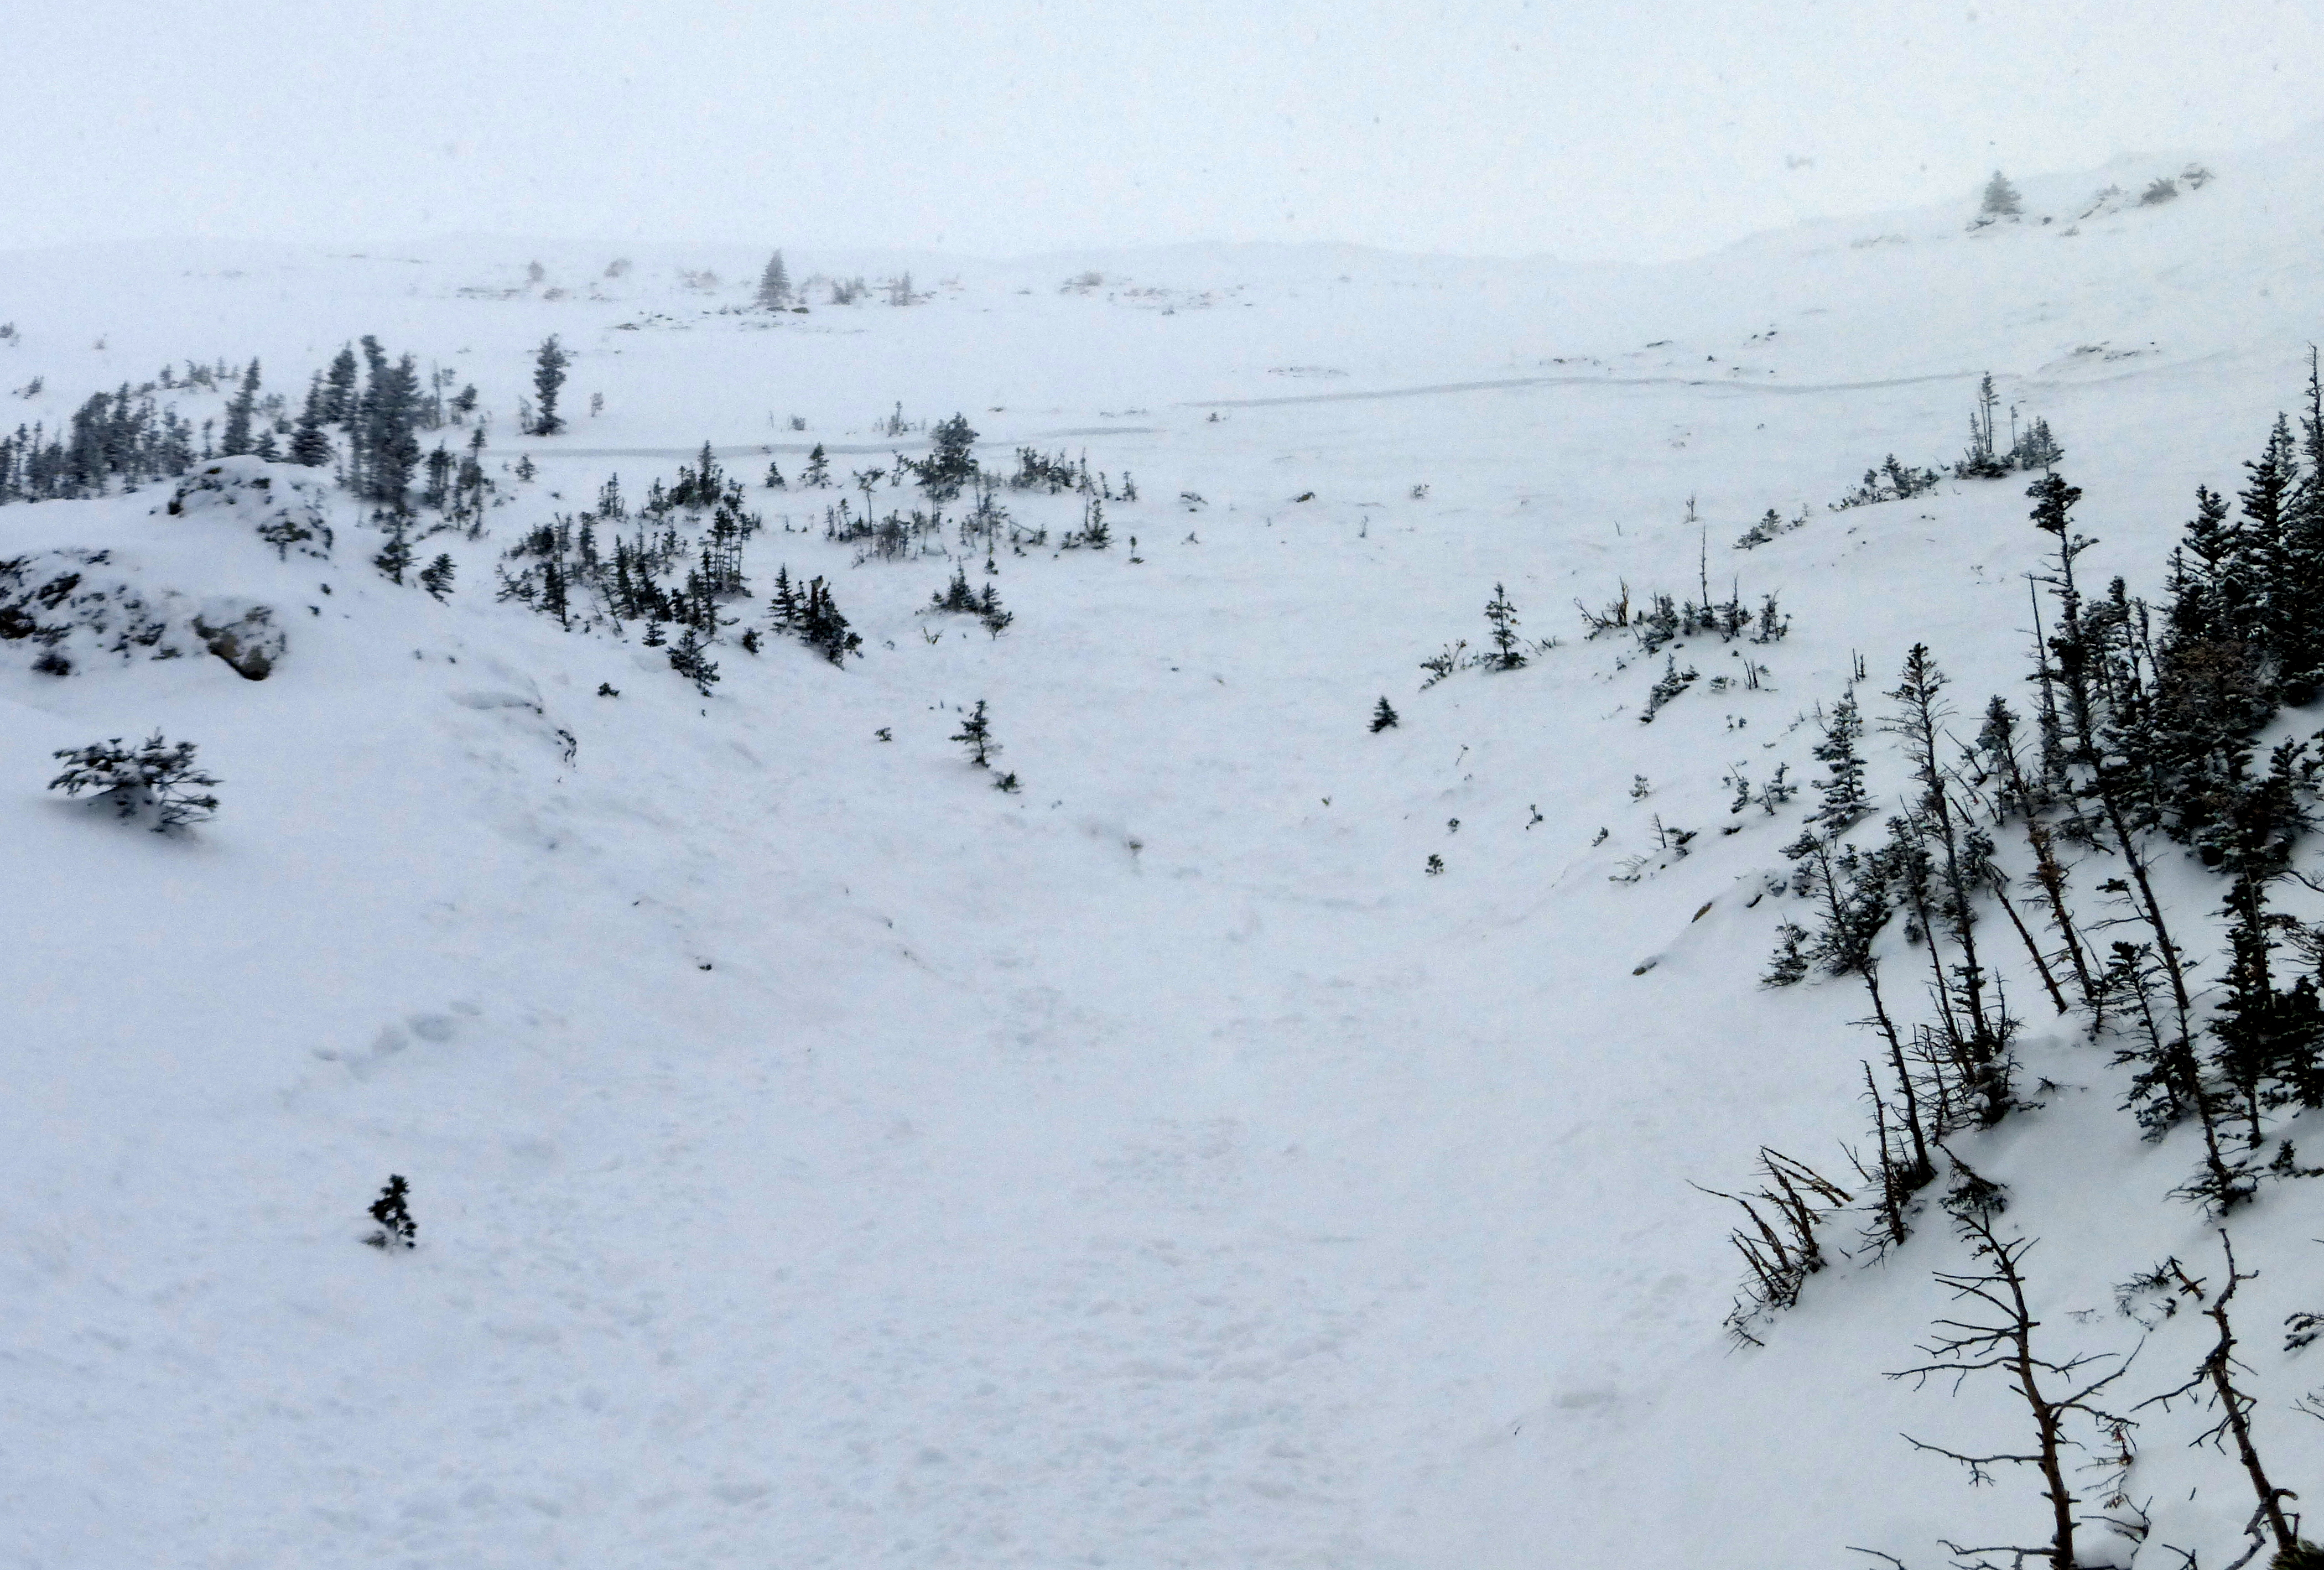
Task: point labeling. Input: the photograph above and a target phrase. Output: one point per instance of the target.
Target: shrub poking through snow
(1383, 718)
(392, 1211)
(975, 733)
(1501, 618)
(689, 660)
(810, 615)
(158, 779)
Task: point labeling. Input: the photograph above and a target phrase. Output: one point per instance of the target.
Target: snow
(821, 1158)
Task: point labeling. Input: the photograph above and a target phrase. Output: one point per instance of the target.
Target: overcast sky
(1617, 129)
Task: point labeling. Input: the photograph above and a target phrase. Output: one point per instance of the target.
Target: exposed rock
(249, 642)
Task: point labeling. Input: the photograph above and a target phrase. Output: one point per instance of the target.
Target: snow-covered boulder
(285, 505)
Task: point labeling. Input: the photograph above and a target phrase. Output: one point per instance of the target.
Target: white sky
(1610, 129)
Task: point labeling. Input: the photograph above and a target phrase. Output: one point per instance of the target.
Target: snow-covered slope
(821, 1158)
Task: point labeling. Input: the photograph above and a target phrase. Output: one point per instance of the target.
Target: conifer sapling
(975, 733)
(548, 380)
(159, 777)
(394, 1214)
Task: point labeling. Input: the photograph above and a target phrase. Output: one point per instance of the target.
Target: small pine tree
(975, 733)
(956, 595)
(238, 413)
(395, 557)
(951, 464)
(1502, 616)
(159, 777)
(822, 628)
(548, 380)
(1383, 716)
(1842, 787)
(308, 444)
(988, 610)
(774, 286)
(436, 578)
(774, 478)
(2001, 198)
(339, 389)
(687, 658)
(392, 1211)
(817, 475)
(2037, 448)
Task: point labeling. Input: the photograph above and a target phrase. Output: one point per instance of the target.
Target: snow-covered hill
(821, 1158)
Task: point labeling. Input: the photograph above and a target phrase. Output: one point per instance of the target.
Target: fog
(1495, 126)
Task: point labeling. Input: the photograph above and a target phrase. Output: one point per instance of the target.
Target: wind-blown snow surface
(821, 1158)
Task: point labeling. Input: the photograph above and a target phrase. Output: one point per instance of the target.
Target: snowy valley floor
(821, 1158)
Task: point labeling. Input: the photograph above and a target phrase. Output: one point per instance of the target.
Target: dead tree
(2217, 1374)
(2055, 1392)
(1779, 1245)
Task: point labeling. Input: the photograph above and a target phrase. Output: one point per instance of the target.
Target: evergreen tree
(338, 405)
(1502, 617)
(951, 463)
(987, 611)
(686, 657)
(2001, 197)
(774, 478)
(392, 1211)
(2266, 544)
(309, 444)
(822, 628)
(774, 286)
(394, 557)
(390, 445)
(1844, 801)
(817, 475)
(2304, 542)
(1983, 461)
(436, 578)
(2269, 1039)
(975, 733)
(238, 413)
(2074, 666)
(548, 380)
(1957, 854)
(1383, 718)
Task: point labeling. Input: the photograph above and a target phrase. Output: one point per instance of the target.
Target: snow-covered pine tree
(309, 444)
(395, 557)
(239, 410)
(2001, 198)
(2302, 656)
(386, 424)
(822, 628)
(548, 380)
(1983, 461)
(161, 777)
(951, 463)
(689, 658)
(1843, 800)
(975, 733)
(774, 286)
(1501, 618)
(392, 1211)
(339, 389)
